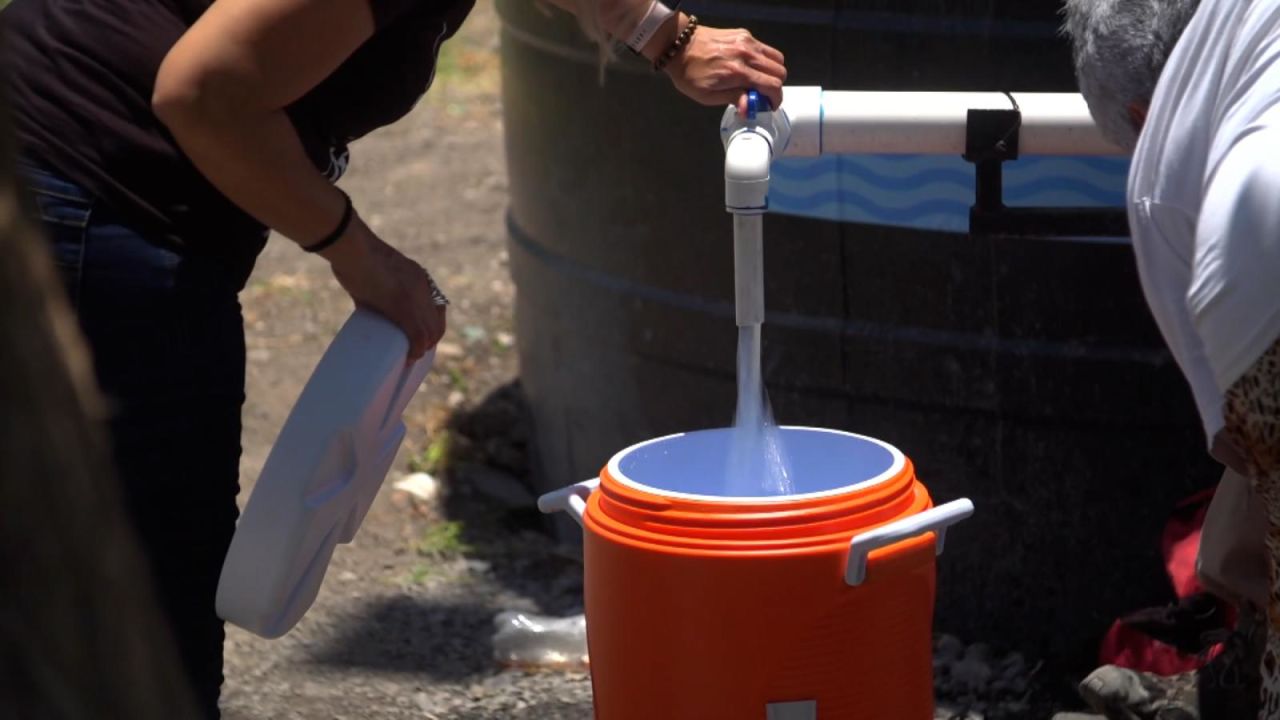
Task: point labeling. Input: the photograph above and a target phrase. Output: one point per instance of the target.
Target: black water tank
(1025, 374)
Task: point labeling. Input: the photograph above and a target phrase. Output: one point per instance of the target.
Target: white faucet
(750, 143)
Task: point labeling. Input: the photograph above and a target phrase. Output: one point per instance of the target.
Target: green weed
(432, 459)
(442, 540)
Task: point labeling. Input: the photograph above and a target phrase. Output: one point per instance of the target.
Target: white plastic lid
(321, 477)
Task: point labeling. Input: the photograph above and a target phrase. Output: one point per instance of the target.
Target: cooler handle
(572, 499)
(935, 520)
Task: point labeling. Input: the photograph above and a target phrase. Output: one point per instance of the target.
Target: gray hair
(592, 16)
(591, 20)
(1120, 48)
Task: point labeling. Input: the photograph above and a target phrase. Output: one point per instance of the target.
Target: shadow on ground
(402, 634)
(492, 532)
(488, 494)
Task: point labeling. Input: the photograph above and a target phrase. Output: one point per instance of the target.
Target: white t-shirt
(1204, 197)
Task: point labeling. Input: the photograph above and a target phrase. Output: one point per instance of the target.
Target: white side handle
(572, 499)
(936, 520)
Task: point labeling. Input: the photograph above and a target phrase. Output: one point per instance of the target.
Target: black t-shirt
(81, 76)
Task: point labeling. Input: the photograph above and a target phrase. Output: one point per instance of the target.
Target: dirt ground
(402, 626)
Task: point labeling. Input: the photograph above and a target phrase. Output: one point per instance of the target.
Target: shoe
(1229, 686)
(1122, 694)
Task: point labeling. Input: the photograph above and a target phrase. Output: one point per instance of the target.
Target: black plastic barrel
(1026, 374)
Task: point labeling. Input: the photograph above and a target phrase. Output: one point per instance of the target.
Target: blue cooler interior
(697, 463)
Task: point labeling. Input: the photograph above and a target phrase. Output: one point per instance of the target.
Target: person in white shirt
(1193, 88)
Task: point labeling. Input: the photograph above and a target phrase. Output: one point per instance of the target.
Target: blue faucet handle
(757, 103)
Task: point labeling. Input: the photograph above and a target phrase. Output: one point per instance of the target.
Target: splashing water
(757, 464)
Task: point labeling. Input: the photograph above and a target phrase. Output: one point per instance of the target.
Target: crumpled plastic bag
(533, 641)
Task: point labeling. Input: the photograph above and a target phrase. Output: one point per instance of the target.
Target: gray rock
(978, 651)
(1014, 709)
(1113, 687)
(495, 484)
(971, 675)
(952, 711)
(1123, 693)
(1013, 666)
(948, 648)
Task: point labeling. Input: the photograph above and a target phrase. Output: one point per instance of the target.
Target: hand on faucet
(719, 66)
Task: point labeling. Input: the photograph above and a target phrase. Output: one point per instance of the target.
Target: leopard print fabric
(1252, 414)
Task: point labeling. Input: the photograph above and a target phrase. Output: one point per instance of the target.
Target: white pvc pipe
(932, 123)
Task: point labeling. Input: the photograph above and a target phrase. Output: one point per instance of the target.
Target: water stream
(757, 461)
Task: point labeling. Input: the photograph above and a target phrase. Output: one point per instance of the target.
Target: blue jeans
(167, 340)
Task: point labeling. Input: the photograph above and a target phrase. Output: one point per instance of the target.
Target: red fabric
(1181, 543)
(1127, 647)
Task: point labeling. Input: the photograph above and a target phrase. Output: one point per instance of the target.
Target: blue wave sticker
(934, 193)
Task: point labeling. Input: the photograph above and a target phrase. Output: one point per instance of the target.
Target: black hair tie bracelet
(348, 213)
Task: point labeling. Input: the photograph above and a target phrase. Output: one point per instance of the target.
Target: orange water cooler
(814, 605)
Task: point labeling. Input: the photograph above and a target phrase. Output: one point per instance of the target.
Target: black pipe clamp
(991, 139)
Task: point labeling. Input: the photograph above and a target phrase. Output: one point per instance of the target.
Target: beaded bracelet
(348, 212)
(682, 40)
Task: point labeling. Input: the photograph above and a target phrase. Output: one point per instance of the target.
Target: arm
(1232, 293)
(1161, 240)
(222, 91)
(717, 67)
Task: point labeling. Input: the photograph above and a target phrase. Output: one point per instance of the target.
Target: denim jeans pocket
(64, 212)
(59, 202)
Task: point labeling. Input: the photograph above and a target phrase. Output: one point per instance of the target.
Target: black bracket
(991, 139)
